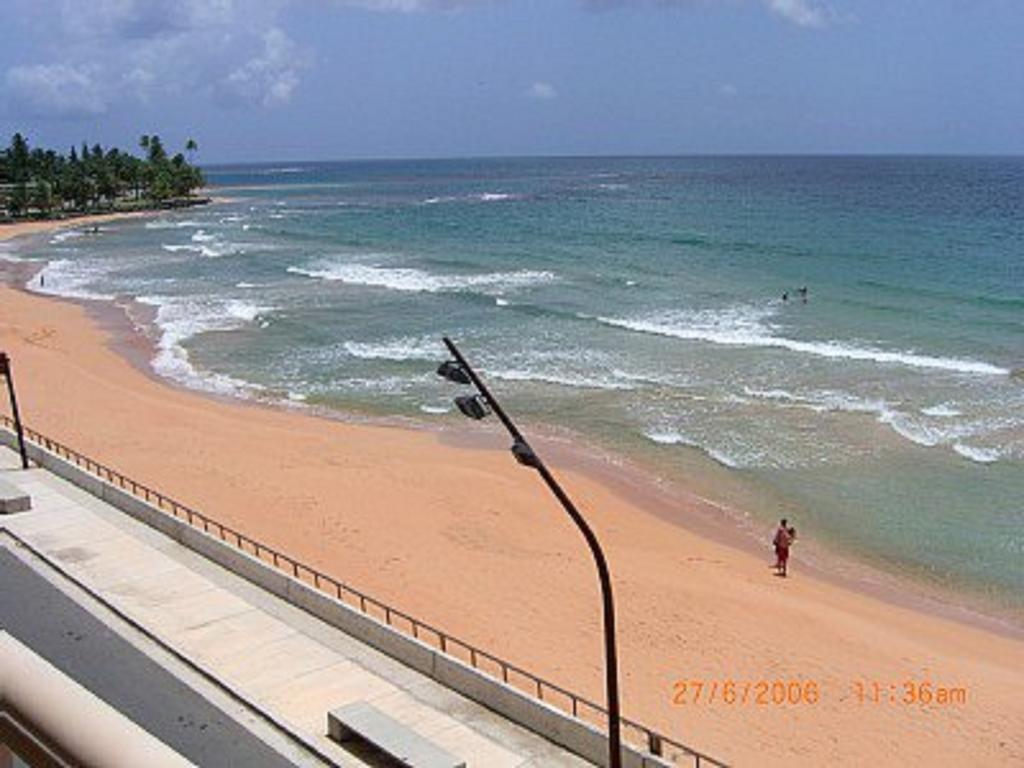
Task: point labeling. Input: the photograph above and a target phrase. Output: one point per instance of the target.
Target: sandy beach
(463, 538)
(24, 228)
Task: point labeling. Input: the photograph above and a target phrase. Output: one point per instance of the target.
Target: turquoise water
(638, 302)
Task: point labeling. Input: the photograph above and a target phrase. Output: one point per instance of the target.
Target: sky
(269, 80)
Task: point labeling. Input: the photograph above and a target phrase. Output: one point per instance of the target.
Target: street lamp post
(477, 407)
(5, 371)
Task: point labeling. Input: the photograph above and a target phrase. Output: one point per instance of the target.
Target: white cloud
(409, 6)
(55, 89)
(107, 53)
(141, 19)
(542, 91)
(112, 52)
(270, 77)
(803, 13)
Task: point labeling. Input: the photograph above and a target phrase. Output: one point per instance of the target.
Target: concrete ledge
(363, 722)
(139, 509)
(535, 715)
(13, 499)
(408, 650)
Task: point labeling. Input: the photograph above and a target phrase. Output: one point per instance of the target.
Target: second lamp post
(478, 406)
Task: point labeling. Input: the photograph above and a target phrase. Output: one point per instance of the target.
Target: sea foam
(180, 319)
(420, 281)
(925, 432)
(396, 349)
(69, 234)
(72, 279)
(745, 327)
(207, 245)
(565, 379)
(172, 224)
(975, 454)
(673, 437)
(944, 410)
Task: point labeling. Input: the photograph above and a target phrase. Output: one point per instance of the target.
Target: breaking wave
(745, 327)
(576, 381)
(398, 350)
(978, 455)
(419, 281)
(180, 319)
(943, 410)
(938, 430)
(673, 437)
(70, 279)
(68, 234)
(171, 224)
(210, 246)
(482, 197)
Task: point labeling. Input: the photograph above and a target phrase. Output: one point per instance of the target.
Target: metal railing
(638, 736)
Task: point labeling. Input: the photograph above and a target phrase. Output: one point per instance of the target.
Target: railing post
(5, 371)
(654, 744)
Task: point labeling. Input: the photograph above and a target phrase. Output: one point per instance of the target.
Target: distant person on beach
(802, 290)
(785, 296)
(784, 536)
(42, 280)
(792, 540)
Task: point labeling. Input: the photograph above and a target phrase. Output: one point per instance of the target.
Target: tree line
(42, 183)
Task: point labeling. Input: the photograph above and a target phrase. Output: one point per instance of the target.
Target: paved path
(287, 663)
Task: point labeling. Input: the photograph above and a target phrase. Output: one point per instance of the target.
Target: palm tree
(191, 147)
(47, 181)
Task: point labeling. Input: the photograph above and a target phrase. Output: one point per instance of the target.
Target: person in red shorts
(784, 536)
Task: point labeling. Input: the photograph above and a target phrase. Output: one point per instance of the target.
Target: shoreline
(22, 229)
(630, 479)
(15, 229)
(129, 324)
(130, 337)
(618, 483)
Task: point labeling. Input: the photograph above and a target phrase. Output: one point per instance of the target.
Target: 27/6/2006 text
(906, 692)
(743, 692)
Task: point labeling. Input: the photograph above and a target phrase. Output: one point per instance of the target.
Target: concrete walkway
(288, 665)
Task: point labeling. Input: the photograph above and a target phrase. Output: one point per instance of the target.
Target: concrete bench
(365, 723)
(13, 499)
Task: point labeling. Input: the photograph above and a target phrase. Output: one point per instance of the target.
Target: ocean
(637, 304)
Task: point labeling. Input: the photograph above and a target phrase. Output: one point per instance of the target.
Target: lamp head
(524, 453)
(473, 406)
(452, 371)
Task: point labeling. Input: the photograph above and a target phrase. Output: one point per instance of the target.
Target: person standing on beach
(781, 542)
(790, 540)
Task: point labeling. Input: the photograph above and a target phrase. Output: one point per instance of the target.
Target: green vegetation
(41, 183)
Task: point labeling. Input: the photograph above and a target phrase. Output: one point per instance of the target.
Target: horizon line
(619, 156)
